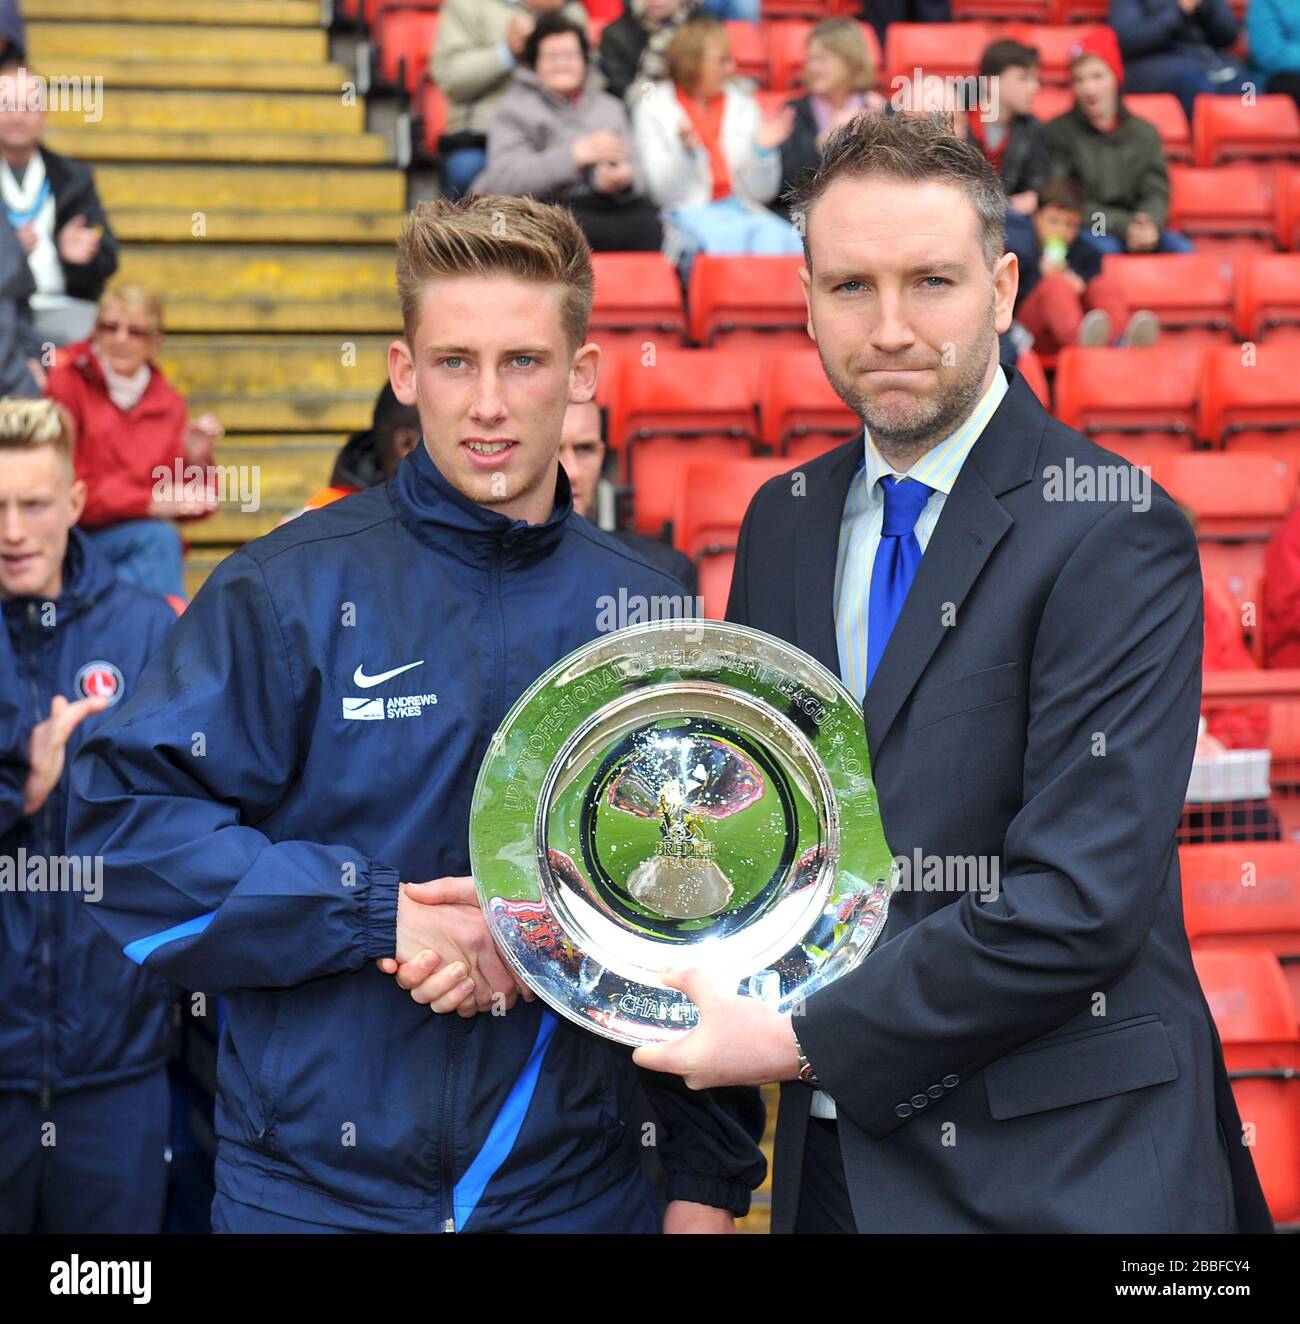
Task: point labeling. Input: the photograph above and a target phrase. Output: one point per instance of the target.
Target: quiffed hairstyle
(907, 147)
(26, 425)
(496, 236)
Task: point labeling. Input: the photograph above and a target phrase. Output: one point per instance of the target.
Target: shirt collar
(939, 466)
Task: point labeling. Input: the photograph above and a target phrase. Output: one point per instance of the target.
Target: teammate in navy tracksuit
(311, 735)
(84, 1034)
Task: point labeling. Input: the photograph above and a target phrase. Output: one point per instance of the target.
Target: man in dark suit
(1035, 1057)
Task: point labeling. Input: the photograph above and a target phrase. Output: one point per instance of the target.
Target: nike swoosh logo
(360, 678)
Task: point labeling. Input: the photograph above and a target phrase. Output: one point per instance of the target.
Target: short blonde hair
(490, 236)
(690, 43)
(131, 297)
(27, 425)
(843, 37)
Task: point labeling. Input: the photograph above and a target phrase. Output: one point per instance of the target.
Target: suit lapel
(816, 550)
(972, 524)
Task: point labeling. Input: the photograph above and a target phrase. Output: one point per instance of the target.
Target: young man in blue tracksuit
(84, 1035)
(281, 797)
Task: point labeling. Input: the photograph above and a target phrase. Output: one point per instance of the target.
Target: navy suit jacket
(1045, 1061)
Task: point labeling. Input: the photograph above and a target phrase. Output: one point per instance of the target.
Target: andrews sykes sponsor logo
(375, 708)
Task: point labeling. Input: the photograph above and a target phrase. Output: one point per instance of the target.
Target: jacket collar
(82, 359)
(442, 518)
(973, 522)
(87, 577)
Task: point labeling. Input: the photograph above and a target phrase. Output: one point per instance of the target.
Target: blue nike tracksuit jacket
(257, 801)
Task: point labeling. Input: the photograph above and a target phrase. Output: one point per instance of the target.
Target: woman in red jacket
(132, 430)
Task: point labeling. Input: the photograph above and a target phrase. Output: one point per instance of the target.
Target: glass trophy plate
(680, 793)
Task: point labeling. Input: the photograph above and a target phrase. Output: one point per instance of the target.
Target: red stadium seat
(1266, 287)
(430, 115)
(1052, 102)
(749, 47)
(1256, 1018)
(1227, 129)
(1006, 11)
(945, 49)
(1250, 398)
(1080, 11)
(1165, 111)
(772, 99)
(712, 497)
(682, 404)
(1053, 44)
(638, 298)
(1245, 894)
(403, 36)
(800, 415)
(1031, 369)
(1241, 496)
(1191, 293)
(1286, 193)
(749, 303)
(1140, 403)
(1224, 208)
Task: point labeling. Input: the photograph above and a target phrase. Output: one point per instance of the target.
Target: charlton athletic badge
(100, 680)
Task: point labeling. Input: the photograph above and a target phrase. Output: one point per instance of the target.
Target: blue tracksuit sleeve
(710, 1146)
(174, 790)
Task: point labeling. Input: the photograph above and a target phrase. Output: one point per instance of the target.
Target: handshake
(445, 956)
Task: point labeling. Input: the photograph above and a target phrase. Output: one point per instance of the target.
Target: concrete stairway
(233, 159)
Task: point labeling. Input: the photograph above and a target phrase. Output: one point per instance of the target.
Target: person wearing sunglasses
(131, 424)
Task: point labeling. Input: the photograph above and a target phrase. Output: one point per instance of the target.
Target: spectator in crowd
(85, 1034)
(1178, 46)
(53, 207)
(558, 137)
(1012, 137)
(838, 74)
(1280, 614)
(1273, 30)
(634, 48)
(1113, 155)
(712, 159)
(477, 46)
(13, 35)
(1063, 299)
(582, 453)
(21, 372)
(370, 458)
(131, 422)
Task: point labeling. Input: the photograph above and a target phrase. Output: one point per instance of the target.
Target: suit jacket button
(903, 1110)
(935, 1091)
(919, 1100)
(950, 1082)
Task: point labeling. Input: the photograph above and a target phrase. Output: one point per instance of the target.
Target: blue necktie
(895, 566)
